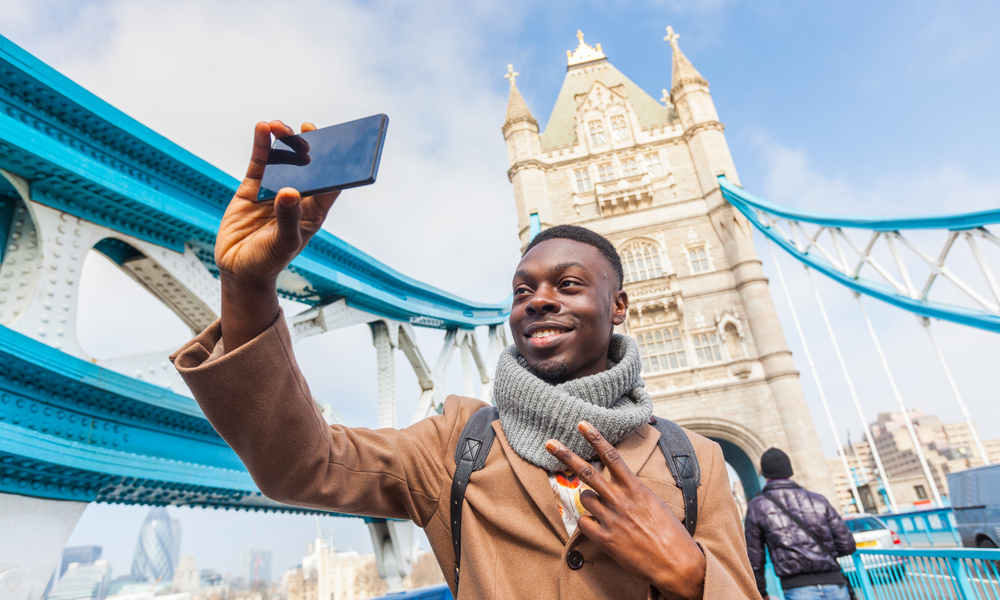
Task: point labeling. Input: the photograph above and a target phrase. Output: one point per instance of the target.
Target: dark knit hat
(775, 464)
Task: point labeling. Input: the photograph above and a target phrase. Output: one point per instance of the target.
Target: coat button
(574, 559)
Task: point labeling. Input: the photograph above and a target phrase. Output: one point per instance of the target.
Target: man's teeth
(546, 333)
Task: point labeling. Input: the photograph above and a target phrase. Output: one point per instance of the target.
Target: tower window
(653, 165)
(641, 262)
(920, 491)
(706, 348)
(583, 180)
(597, 137)
(605, 172)
(699, 259)
(629, 167)
(661, 349)
(619, 130)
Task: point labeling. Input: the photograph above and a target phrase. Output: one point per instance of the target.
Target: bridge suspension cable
(819, 386)
(854, 394)
(902, 406)
(958, 396)
(820, 241)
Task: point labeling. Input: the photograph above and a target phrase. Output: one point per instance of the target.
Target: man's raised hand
(632, 524)
(256, 240)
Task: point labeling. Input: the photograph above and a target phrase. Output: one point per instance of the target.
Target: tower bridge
(654, 176)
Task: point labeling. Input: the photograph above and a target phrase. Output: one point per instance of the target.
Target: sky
(862, 108)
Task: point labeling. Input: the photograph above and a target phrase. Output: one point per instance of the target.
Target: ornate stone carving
(624, 195)
(741, 369)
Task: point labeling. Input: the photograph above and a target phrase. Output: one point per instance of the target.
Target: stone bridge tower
(644, 174)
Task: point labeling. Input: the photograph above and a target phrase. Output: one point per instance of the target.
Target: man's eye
(521, 291)
(569, 282)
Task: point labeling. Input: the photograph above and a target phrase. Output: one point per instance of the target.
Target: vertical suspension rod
(854, 394)
(859, 506)
(902, 407)
(958, 396)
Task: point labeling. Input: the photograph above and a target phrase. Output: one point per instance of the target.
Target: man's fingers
(591, 528)
(288, 215)
(258, 159)
(583, 469)
(315, 208)
(280, 130)
(609, 454)
(592, 502)
(308, 127)
(299, 146)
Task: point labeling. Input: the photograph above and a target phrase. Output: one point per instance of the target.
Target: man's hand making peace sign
(633, 525)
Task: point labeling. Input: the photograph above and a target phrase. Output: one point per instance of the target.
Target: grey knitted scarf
(532, 411)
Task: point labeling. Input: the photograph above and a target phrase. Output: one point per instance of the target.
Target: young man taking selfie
(575, 499)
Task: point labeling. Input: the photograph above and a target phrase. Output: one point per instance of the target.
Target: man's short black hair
(584, 236)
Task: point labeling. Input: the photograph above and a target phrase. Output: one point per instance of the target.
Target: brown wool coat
(514, 543)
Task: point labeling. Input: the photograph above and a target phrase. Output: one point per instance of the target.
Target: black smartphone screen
(333, 158)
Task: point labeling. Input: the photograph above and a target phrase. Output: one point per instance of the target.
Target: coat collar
(635, 450)
(781, 484)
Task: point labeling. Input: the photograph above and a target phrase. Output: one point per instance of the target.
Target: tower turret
(520, 129)
(711, 159)
(689, 89)
(526, 172)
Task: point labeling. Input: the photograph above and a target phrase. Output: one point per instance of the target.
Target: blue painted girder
(84, 157)
(749, 205)
(71, 430)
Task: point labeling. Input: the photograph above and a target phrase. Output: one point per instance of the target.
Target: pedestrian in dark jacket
(807, 571)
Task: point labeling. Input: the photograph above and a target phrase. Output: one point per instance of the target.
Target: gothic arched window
(640, 262)
(661, 349)
(597, 137)
(706, 347)
(619, 130)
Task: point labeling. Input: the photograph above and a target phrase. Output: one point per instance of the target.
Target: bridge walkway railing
(917, 573)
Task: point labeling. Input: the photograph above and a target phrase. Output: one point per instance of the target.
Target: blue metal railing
(933, 527)
(945, 573)
(905, 574)
(434, 592)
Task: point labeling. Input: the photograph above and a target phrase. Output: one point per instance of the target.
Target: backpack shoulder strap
(470, 455)
(683, 465)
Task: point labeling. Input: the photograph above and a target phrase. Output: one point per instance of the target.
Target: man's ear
(619, 307)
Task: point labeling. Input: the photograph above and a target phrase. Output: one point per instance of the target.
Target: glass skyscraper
(157, 553)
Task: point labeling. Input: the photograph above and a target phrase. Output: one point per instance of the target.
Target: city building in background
(157, 552)
(255, 565)
(199, 584)
(947, 446)
(83, 581)
(326, 573)
(84, 555)
(644, 173)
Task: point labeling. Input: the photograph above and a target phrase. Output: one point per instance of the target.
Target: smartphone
(333, 158)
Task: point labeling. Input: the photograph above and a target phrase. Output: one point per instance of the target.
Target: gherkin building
(157, 551)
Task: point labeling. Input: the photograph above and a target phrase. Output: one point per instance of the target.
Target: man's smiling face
(566, 304)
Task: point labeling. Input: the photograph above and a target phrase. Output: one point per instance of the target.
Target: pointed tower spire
(517, 110)
(683, 71)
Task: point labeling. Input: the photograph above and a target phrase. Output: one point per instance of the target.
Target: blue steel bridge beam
(846, 270)
(328, 268)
